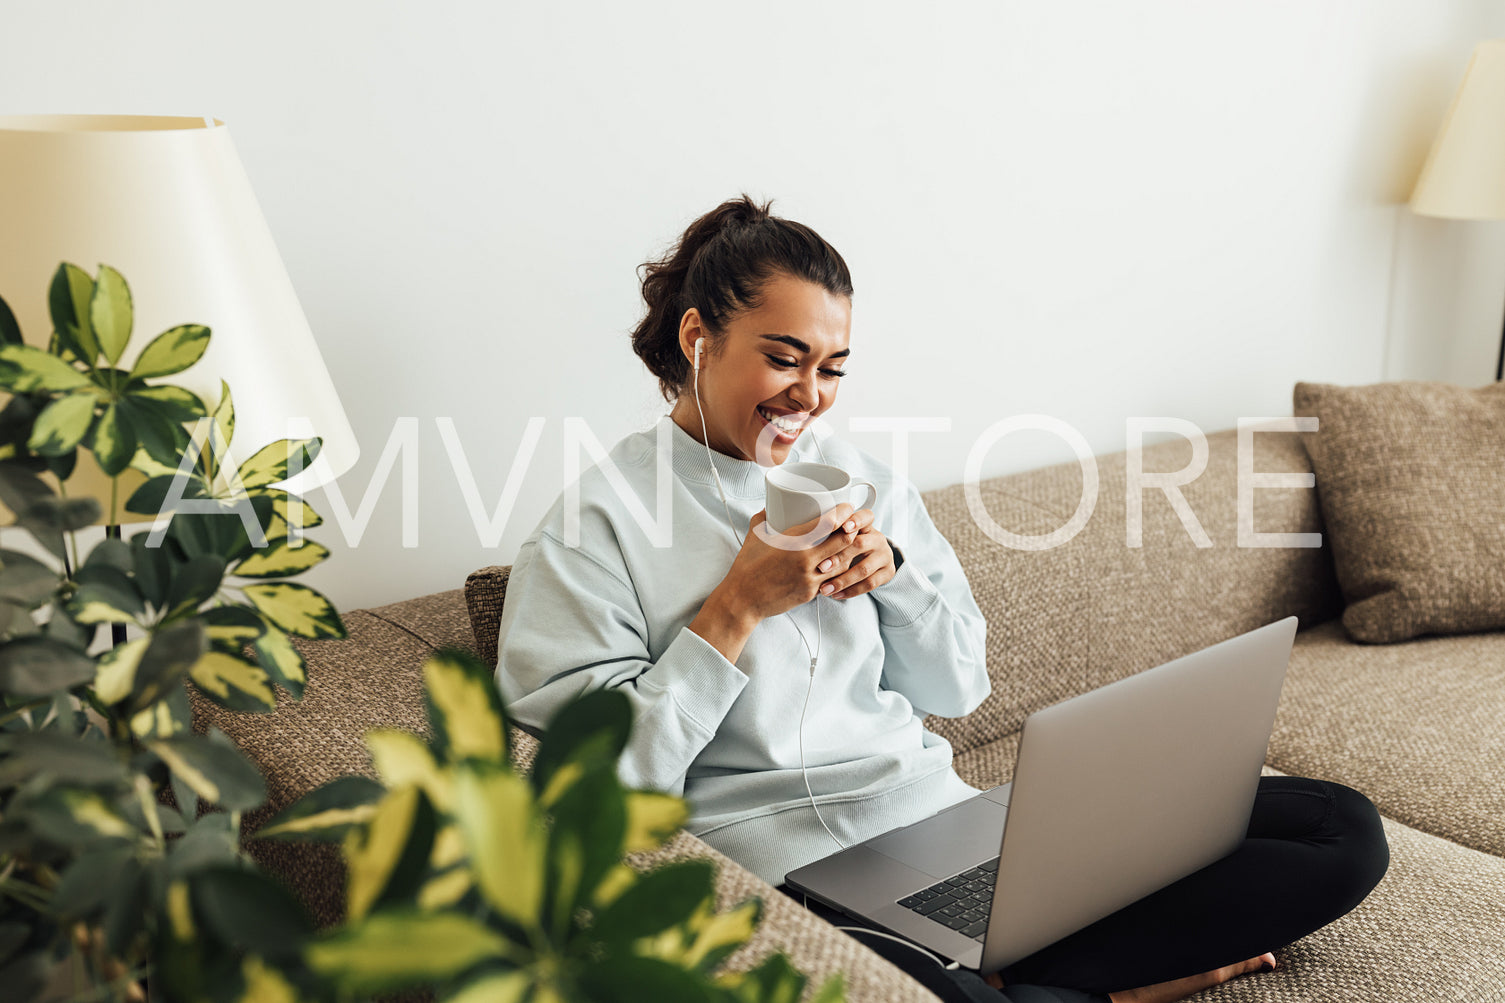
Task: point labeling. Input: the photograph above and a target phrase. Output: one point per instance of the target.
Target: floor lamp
(165, 202)
(1464, 175)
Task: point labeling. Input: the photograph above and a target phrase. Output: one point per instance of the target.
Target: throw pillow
(1411, 482)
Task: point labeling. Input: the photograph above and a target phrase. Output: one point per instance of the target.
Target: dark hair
(719, 266)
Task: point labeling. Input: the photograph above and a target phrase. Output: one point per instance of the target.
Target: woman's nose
(804, 393)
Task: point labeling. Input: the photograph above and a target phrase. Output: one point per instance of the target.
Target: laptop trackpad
(952, 841)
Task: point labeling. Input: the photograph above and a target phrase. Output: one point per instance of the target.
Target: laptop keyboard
(960, 902)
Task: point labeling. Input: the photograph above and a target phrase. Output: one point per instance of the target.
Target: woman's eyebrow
(793, 342)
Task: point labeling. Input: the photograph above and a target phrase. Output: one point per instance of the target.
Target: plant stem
(72, 540)
(112, 532)
(114, 491)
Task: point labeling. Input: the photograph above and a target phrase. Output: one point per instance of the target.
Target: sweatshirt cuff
(698, 678)
(905, 598)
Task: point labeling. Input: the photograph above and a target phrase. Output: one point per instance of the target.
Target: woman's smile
(773, 369)
(787, 425)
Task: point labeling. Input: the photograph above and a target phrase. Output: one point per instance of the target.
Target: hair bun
(719, 266)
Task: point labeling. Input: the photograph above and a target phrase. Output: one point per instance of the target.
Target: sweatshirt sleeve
(933, 632)
(570, 623)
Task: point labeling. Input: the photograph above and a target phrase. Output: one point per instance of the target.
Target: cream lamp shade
(166, 203)
(1464, 174)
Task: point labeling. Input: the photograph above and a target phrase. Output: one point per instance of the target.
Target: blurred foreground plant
(470, 877)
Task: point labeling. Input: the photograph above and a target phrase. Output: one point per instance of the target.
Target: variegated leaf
(26, 370)
(288, 511)
(273, 462)
(68, 300)
(169, 716)
(232, 627)
(403, 759)
(224, 416)
(116, 676)
(216, 771)
(112, 440)
(280, 560)
(233, 681)
(497, 987)
(283, 662)
(62, 424)
(664, 899)
(296, 609)
(327, 812)
(110, 313)
(388, 849)
(464, 708)
(504, 838)
(172, 351)
(719, 934)
(264, 984)
(399, 949)
(173, 403)
(610, 888)
(652, 818)
(89, 811)
(445, 889)
(179, 911)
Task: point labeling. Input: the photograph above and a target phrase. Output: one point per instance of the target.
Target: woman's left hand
(864, 565)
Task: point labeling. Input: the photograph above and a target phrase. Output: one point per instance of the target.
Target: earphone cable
(815, 653)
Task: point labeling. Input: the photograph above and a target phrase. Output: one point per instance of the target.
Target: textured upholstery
(1410, 482)
(1070, 619)
(1418, 727)
(1413, 725)
(484, 591)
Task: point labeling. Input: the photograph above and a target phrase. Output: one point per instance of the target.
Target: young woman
(782, 689)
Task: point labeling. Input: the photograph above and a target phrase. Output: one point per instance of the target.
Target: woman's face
(775, 368)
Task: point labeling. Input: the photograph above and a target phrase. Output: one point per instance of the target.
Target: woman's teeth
(782, 424)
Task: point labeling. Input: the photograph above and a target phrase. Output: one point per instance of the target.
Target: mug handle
(872, 494)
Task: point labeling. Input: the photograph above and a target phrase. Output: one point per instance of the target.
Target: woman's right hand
(769, 577)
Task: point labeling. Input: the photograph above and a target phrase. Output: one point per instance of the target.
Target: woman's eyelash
(787, 364)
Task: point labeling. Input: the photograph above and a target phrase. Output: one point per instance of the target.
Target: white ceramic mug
(796, 493)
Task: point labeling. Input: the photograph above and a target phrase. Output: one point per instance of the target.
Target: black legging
(1314, 849)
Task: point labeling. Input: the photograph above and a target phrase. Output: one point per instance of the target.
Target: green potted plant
(104, 851)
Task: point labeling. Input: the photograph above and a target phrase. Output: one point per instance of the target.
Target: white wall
(1088, 209)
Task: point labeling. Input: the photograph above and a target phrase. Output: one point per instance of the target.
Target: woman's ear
(691, 333)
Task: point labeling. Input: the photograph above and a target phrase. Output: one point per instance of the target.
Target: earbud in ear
(699, 345)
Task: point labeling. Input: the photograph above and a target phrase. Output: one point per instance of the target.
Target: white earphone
(815, 653)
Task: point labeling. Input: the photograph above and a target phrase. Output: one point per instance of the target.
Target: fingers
(860, 579)
(870, 565)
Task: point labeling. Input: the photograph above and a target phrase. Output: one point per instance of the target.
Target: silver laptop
(1117, 793)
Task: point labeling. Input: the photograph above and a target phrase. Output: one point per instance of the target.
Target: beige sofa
(1418, 726)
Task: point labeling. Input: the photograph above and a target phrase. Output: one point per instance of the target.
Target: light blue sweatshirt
(596, 603)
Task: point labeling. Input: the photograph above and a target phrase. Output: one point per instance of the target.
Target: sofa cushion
(1411, 478)
(1430, 930)
(1093, 610)
(1417, 727)
(439, 620)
